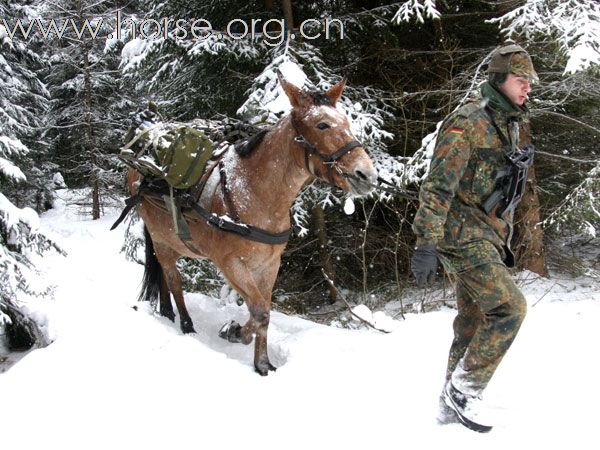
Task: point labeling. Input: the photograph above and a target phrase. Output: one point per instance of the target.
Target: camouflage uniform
(474, 246)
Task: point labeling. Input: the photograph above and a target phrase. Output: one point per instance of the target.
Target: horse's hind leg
(165, 305)
(168, 259)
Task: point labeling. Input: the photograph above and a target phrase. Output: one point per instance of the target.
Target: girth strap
(246, 231)
(223, 223)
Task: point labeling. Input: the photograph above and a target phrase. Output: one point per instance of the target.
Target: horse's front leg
(261, 356)
(256, 327)
(259, 306)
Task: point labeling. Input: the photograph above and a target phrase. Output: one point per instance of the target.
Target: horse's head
(331, 152)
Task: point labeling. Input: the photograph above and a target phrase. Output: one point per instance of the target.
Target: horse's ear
(335, 92)
(295, 94)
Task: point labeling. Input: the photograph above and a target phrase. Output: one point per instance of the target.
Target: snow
(13, 215)
(416, 8)
(9, 170)
(575, 24)
(134, 52)
(349, 206)
(581, 57)
(268, 93)
(293, 73)
(116, 377)
(13, 146)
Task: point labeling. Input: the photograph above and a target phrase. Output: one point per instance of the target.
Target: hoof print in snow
(231, 331)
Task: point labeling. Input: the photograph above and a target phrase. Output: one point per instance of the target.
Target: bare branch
(366, 322)
(583, 124)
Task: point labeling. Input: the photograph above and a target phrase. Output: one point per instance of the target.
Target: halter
(328, 160)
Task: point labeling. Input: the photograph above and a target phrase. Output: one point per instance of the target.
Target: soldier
(465, 218)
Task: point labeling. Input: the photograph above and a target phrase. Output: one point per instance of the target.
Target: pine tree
(22, 103)
(188, 77)
(90, 106)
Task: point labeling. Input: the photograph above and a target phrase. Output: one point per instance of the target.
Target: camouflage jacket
(467, 156)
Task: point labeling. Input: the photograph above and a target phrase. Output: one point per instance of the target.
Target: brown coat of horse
(263, 187)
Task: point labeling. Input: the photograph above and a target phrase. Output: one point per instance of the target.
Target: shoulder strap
(505, 142)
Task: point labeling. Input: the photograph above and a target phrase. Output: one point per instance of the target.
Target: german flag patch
(456, 130)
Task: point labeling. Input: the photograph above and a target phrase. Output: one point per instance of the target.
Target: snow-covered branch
(417, 9)
(574, 23)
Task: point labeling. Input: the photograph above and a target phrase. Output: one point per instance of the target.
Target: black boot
(446, 415)
(464, 407)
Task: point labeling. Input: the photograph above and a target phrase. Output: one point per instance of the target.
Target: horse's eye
(323, 126)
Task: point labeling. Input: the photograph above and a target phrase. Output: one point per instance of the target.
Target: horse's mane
(319, 98)
(247, 146)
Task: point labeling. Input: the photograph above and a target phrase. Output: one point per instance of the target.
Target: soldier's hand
(424, 264)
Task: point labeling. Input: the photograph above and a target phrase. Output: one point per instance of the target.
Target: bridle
(328, 160)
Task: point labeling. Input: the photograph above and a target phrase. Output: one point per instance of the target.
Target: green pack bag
(174, 152)
(182, 153)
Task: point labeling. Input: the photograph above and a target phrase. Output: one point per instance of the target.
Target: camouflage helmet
(513, 59)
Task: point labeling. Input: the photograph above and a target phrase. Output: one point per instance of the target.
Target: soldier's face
(516, 88)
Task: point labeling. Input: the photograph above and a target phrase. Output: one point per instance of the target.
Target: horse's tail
(151, 283)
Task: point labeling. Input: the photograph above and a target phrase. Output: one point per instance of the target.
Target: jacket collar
(501, 104)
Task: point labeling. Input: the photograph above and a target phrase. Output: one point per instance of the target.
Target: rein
(390, 188)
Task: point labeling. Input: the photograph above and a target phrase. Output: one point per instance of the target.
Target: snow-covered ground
(115, 377)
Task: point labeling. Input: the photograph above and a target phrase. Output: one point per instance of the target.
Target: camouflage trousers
(491, 309)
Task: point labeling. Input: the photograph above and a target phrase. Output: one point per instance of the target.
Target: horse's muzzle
(362, 181)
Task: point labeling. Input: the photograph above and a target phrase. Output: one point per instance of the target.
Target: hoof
(263, 369)
(187, 326)
(231, 332)
(170, 315)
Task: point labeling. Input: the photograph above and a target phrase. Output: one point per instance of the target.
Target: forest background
(65, 104)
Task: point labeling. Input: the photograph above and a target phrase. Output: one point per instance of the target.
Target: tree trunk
(95, 199)
(528, 241)
(288, 15)
(270, 5)
(529, 247)
(324, 256)
(91, 148)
